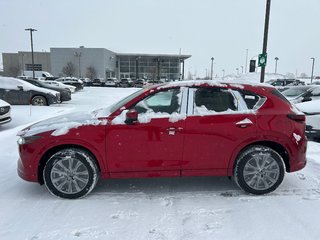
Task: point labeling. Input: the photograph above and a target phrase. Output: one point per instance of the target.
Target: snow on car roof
(11, 83)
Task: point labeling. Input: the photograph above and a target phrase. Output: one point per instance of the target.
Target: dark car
(126, 82)
(18, 92)
(72, 81)
(98, 82)
(65, 94)
(139, 83)
(285, 82)
(245, 131)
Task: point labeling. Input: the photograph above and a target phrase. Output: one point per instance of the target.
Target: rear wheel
(71, 173)
(39, 101)
(259, 170)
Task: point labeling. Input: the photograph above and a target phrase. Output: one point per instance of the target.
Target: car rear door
(217, 122)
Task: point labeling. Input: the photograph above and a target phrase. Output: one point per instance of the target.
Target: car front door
(154, 143)
(216, 124)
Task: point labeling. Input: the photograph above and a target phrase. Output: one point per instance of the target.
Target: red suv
(198, 128)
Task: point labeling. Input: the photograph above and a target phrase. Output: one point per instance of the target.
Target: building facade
(14, 64)
(97, 63)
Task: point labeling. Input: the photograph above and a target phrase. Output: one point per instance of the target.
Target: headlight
(27, 140)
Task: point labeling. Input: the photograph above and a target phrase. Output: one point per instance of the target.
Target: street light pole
(275, 70)
(223, 74)
(32, 30)
(241, 69)
(237, 71)
(212, 67)
(313, 59)
(265, 38)
(247, 51)
(78, 55)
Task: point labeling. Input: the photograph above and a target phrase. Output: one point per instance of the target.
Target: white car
(5, 109)
(312, 111)
(62, 85)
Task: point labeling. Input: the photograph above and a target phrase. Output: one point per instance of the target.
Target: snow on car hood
(309, 107)
(61, 125)
(3, 103)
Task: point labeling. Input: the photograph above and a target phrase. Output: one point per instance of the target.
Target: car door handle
(244, 123)
(173, 130)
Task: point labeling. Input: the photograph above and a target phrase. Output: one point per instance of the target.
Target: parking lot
(167, 208)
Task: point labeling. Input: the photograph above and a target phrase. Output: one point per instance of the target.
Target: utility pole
(212, 68)
(32, 30)
(275, 70)
(247, 52)
(265, 39)
(313, 59)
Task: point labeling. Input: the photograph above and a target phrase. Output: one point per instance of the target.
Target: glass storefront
(150, 67)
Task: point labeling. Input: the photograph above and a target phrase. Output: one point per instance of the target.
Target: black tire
(39, 101)
(71, 173)
(259, 170)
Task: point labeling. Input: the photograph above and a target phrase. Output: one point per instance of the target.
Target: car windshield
(127, 99)
(295, 91)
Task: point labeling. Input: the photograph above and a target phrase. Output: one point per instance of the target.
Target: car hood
(3, 103)
(61, 125)
(312, 107)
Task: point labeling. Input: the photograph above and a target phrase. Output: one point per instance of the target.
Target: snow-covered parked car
(299, 94)
(5, 109)
(72, 81)
(197, 128)
(19, 92)
(71, 88)
(312, 111)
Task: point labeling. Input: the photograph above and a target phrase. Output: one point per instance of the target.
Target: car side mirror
(20, 88)
(131, 116)
(306, 99)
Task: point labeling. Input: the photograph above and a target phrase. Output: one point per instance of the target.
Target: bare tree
(91, 72)
(69, 69)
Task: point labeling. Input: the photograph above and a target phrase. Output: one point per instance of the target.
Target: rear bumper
(299, 160)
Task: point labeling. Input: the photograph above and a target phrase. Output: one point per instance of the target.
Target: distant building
(14, 64)
(97, 62)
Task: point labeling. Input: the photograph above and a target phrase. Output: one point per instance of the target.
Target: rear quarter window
(252, 100)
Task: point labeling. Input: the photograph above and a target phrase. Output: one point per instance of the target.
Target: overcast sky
(222, 29)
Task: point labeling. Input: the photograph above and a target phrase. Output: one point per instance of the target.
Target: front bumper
(25, 172)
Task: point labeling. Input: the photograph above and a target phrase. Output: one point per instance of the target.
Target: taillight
(297, 117)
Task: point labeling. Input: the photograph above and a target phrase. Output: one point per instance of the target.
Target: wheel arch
(280, 149)
(45, 157)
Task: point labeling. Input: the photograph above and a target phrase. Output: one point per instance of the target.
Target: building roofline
(154, 55)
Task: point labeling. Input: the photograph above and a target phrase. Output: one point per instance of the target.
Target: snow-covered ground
(169, 208)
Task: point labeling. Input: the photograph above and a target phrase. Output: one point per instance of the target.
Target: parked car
(65, 94)
(98, 82)
(17, 91)
(71, 81)
(312, 111)
(5, 109)
(153, 82)
(112, 82)
(285, 82)
(71, 88)
(196, 128)
(86, 81)
(139, 83)
(126, 82)
(299, 94)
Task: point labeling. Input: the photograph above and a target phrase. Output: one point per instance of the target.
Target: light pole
(275, 70)
(313, 59)
(247, 52)
(222, 73)
(241, 69)
(212, 67)
(32, 30)
(237, 71)
(265, 39)
(78, 55)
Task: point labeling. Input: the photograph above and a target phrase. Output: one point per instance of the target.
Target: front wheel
(259, 170)
(70, 173)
